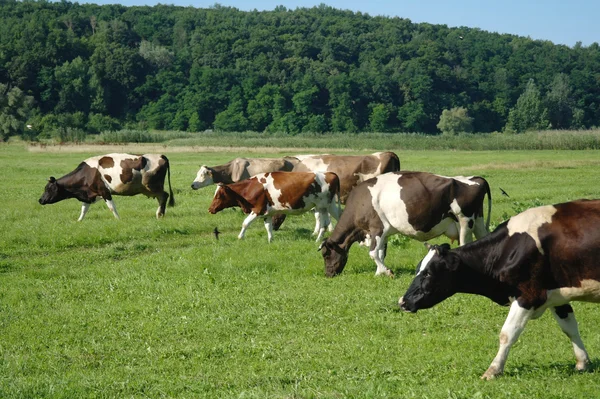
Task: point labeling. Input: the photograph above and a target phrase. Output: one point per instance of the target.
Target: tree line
(69, 68)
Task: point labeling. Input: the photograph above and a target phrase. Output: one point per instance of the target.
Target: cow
(239, 169)
(113, 174)
(351, 169)
(419, 205)
(540, 259)
(274, 193)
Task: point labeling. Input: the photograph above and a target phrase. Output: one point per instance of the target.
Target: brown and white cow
(113, 174)
(269, 194)
(351, 169)
(416, 204)
(239, 169)
(542, 258)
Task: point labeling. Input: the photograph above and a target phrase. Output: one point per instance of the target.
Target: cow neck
(476, 270)
(222, 174)
(73, 184)
(346, 237)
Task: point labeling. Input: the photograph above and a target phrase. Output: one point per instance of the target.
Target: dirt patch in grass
(159, 148)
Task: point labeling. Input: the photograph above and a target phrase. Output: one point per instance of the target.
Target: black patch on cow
(471, 223)
(106, 162)
(563, 311)
(108, 178)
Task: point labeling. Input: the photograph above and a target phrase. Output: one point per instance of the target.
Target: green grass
(541, 140)
(158, 308)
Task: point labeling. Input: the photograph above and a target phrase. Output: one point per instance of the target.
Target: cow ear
(443, 249)
(323, 244)
(51, 179)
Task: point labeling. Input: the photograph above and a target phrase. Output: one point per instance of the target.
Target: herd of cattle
(542, 258)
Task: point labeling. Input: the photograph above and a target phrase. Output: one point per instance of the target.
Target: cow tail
(171, 196)
(338, 191)
(489, 195)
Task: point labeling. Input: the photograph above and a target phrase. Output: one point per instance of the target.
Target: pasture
(159, 308)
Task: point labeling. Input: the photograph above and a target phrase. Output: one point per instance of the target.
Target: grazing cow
(274, 193)
(113, 174)
(417, 204)
(351, 169)
(239, 169)
(542, 258)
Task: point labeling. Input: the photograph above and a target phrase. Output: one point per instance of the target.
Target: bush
(455, 120)
(99, 123)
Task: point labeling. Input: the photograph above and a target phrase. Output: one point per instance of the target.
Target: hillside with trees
(69, 67)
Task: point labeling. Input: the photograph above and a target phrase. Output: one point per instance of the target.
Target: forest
(85, 68)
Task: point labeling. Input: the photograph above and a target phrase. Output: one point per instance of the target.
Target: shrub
(455, 120)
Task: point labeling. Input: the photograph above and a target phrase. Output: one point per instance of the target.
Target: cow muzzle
(404, 306)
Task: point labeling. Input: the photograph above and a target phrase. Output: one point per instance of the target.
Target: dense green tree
(560, 103)
(529, 112)
(15, 107)
(309, 69)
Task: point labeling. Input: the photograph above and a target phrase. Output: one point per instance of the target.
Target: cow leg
(317, 224)
(162, 204)
(466, 230)
(112, 207)
(479, 229)
(512, 328)
(565, 317)
(321, 216)
(249, 219)
(84, 208)
(269, 227)
(378, 245)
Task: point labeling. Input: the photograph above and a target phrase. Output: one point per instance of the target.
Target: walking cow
(542, 258)
(113, 174)
(416, 204)
(269, 194)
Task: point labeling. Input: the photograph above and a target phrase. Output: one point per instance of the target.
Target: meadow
(159, 308)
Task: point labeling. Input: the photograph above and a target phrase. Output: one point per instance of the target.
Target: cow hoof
(583, 365)
(490, 374)
(388, 273)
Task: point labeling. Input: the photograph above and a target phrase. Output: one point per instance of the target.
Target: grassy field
(158, 308)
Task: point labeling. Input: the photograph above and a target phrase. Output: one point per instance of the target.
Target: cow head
(435, 280)
(224, 198)
(52, 192)
(335, 257)
(203, 178)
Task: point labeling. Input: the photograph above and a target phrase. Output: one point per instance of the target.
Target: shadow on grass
(563, 367)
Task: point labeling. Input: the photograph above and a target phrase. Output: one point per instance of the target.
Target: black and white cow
(416, 204)
(542, 258)
(113, 174)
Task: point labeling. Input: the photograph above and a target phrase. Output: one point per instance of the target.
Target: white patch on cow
(269, 186)
(366, 176)
(455, 207)
(313, 163)
(530, 221)
(426, 261)
(385, 199)
(462, 179)
(589, 291)
(203, 178)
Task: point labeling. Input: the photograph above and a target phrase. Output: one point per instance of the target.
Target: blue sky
(560, 21)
